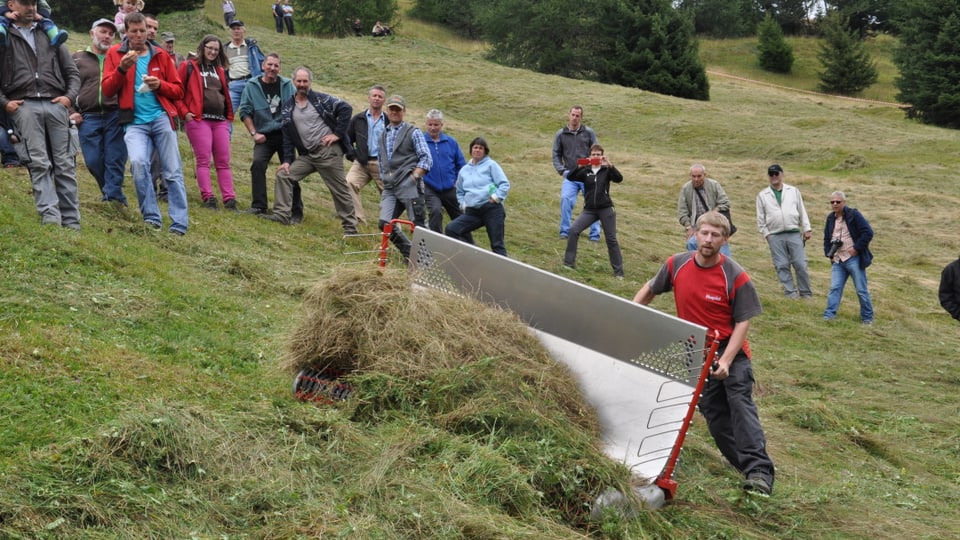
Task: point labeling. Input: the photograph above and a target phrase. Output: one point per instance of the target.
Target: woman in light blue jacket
(481, 190)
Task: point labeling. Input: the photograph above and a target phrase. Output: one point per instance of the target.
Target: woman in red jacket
(207, 114)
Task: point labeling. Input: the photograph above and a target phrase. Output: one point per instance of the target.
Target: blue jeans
(692, 245)
(568, 199)
(101, 141)
(838, 278)
(141, 140)
(491, 216)
(236, 91)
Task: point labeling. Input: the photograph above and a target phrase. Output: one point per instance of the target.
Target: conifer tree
(929, 62)
(847, 66)
(773, 51)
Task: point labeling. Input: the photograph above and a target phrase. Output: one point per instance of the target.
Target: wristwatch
(253, 133)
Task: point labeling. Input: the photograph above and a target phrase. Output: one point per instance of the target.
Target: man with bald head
(697, 197)
(315, 131)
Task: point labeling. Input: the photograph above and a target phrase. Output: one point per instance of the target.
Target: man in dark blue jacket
(315, 129)
(440, 182)
(846, 242)
(950, 289)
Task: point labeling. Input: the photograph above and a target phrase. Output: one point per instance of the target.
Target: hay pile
(470, 374)
(360, 322)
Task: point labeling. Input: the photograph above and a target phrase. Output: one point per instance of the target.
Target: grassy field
(142, 393)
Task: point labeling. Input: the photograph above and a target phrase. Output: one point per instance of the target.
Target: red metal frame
(385, 239)
(665, 481)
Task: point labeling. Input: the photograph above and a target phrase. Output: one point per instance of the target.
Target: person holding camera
(846, 242)
(596, 173)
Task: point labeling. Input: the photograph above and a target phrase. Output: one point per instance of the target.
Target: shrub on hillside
(773, 51)
(335, 17)
(462, 19)
(847, 66)
(646, 44)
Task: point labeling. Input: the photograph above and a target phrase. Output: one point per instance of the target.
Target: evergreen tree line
(644, 43)
(740, 18)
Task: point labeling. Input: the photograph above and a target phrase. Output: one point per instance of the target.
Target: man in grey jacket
(571, 143)
(35, 80)
(697, 197)
(783, 223)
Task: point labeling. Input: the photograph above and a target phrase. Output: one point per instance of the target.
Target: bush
(847, 67)
(773, 51)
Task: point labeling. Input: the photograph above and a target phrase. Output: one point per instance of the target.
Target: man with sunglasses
(846, 242)
(783, 223)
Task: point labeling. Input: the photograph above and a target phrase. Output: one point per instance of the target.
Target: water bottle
(74, 140)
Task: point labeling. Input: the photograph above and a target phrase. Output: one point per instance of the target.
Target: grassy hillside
(739, 57)
(141, 389)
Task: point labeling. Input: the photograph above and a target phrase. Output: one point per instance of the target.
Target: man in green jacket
(259, 111)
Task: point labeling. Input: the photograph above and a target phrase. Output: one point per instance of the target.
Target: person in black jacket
(950, 289)
(364, 132)
(596, 176)
(846, 242)
(314, 140)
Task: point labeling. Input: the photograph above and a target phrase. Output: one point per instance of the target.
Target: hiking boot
(231, 205)
(211, 203)
(296, 218)
(274, 218)
(758, 485)
(255, 211)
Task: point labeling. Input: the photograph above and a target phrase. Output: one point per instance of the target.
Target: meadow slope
(118, 326)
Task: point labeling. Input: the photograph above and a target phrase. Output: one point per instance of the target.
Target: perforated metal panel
(637, 366)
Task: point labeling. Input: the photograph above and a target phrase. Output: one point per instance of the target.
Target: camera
(834, 246)
(595, 161)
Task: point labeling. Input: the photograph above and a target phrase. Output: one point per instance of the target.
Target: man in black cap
(245, 57)
(167, 42)
(783, 222)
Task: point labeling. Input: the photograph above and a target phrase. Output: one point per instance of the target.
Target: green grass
(141, 389)
(738, 57)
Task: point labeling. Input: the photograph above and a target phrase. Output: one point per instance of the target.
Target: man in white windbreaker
(783, 223)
